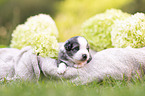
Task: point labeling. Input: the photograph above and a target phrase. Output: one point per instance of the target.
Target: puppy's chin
(80, 64)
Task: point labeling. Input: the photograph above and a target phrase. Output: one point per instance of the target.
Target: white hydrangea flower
(131, 31)
(40, 32)
(97, 29)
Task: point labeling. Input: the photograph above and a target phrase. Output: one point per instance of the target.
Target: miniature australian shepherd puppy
(75, 52)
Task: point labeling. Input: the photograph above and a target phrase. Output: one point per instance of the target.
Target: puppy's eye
(75, 49)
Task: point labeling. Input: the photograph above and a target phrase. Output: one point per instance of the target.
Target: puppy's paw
(61, 69)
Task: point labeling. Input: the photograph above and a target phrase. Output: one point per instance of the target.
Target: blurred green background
(68, 14)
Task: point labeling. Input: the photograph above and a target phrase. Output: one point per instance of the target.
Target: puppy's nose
(84, 56)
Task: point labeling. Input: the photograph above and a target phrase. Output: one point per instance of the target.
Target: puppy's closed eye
(75, 49)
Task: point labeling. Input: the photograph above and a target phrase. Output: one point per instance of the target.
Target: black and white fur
(74, 53)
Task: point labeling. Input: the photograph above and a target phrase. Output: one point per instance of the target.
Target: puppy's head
(77, 49)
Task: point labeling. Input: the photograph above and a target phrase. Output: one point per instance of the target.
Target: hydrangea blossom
(129, 32)
(97, 29)
(40, 32)
(43, 23)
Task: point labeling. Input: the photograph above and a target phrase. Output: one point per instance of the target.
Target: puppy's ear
(68, 46)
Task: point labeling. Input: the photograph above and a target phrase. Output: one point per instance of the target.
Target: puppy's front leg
(61, 68)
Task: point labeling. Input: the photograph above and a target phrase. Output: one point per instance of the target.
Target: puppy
(74, 53)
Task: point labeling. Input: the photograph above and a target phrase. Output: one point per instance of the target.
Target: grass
(52, 87)
(108, 87)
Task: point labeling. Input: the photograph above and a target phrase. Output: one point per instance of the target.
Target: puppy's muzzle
(85, 56)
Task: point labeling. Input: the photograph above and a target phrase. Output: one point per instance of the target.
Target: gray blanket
(114, 62)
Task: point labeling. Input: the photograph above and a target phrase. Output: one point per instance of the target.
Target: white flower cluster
(115, 28)
(97, 30)
(40, 32)
(129, 32)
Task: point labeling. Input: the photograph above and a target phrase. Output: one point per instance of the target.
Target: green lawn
(59, 88)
